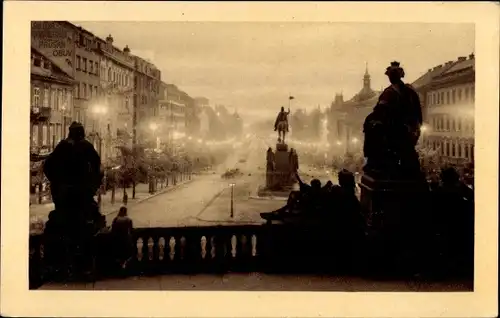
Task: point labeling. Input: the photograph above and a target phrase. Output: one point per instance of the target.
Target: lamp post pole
(232, 199)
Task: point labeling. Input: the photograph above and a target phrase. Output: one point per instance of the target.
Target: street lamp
(99, 111)
(232, 199)
(153, 126)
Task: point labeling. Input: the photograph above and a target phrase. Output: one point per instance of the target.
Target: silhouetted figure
(454, 212)
(73, 169)
(393, 128)
(312, 196)
(270, 160)
(121, 230)
(347, 223)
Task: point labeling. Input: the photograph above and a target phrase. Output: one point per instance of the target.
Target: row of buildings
(119, 97)
(447, 95)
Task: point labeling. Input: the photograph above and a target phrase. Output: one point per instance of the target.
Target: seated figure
(121, 231)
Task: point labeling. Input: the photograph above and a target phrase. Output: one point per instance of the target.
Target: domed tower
(126, 50)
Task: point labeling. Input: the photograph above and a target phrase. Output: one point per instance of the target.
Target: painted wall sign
(55, 41)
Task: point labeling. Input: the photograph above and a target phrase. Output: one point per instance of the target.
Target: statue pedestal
(393, 210)
(279, 174)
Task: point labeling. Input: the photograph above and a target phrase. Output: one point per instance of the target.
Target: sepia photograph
(263, 156)
(260, 163)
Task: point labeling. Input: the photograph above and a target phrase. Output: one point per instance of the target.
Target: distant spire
(366, 79)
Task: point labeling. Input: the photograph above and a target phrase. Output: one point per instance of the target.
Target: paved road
(207, 200)
(187, 204)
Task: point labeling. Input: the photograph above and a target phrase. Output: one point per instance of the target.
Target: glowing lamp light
(424, 128)
(200, 141)
(190, 137)
(99, 110)
(339, 143)
(354, 140)
(153, 126)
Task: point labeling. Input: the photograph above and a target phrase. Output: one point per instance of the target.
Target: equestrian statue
(281, 124)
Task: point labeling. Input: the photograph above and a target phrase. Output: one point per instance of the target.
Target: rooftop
(55, 72)
(461, 63)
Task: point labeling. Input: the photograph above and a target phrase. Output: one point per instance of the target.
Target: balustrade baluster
(139, 245)
(254, 245)
(234, 242)
(213, 252)
(203, 247)
(150, 248)
(161, 249)
(172, 244)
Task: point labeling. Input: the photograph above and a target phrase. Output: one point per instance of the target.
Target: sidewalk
(41, 211)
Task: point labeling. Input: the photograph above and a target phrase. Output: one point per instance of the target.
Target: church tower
(366, 80)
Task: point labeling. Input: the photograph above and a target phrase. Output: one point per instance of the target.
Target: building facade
(172, 109)
(147, 82)
(450, 102)
(346, 118)
(116, 96)
(72, 49)
(51, 105)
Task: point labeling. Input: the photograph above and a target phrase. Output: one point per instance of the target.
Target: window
(459, 94)
(459, 148)
(453, 148)
(60, 99)
(109, 75)
(91, 64)
(96, 91)
(45, 97)
(447, 152)
(447, 97)
(78, 62)
(68, 99)
(459, 124)
(466, 151)
(53, 98)
(91, 91)
(466, 93)
(452, 120)
(35, 136)
(453, 96)
(84, 64)
(36, 96)
(38, 61)
(84, 90)
(45, 135)
(96, 67)
(77, 90)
